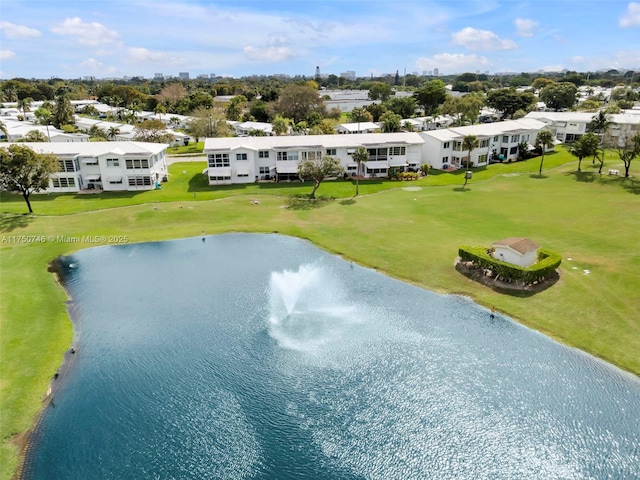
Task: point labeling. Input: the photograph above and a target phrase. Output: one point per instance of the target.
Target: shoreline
(25, 440)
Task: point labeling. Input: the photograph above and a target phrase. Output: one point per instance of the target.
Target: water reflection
(260, 356)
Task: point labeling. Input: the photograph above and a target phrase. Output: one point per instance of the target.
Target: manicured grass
(186, 149)
(411, 235)
(186, 183)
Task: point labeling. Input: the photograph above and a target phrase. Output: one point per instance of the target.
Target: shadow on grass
(348, 201)
(462, 189)
(9, 222)
(585, 177)
(504, 288)
(538, 176)
(631, 185)
(306, 203)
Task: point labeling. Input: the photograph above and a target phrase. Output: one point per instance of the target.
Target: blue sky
(114, 38)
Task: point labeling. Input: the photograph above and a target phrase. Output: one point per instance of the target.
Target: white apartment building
(248, 159)
(107, 166)
(443, 149)
(570, 126)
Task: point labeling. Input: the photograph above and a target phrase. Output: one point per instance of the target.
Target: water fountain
(307, 309)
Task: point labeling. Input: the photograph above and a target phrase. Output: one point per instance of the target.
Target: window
(264, 170)
(445, 160)
(113, 162)
(484, 143)
(138, 181)
(377, 154)
(63, 182)
(115, 181)
(312, 155)
(243, 174)
(90, 161)
(352, 168)
(482, 158)
(137, 163)
(219, 179)
(398, 151)
(496, 138)
(505, 139)
(457, 146)
(331, 151)
(241, 156)
(513, 150)
(515, 138)
(263, 154)
(446, 145)
(66, 166)
(287, 156)
(525, 138)
(218, 159)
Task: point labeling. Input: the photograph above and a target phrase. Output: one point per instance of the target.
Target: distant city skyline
(116, 38)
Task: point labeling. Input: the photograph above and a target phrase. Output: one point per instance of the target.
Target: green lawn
(192, 148)
(187, 183)
(412, 235)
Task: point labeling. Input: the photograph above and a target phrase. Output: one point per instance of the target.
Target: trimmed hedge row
(546, 266)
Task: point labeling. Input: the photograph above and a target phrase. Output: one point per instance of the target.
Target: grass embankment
(186, 183)
(412, 235)
(192, 148)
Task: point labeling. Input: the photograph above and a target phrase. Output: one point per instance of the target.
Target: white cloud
(11, 30)
(525, 27)
(91, 34)
(452, 62)
(552, 68)
(98, 68)
(140, 55)
(6, 54)
(269, 54)
(484, 40)
(631, 18)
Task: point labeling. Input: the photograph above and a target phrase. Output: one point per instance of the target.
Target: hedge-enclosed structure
(481, 257)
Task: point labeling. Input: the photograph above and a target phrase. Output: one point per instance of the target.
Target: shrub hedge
(547, 264)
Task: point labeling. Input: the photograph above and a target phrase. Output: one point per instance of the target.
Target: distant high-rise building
(436, 72)
(349, 74)
(158, 76)
(183, 75)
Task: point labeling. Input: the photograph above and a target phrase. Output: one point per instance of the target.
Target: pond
(261, 356)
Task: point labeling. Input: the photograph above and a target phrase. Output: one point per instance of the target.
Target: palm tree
(599, 125)
(112, 132)
(280, 125)
(25, 104)
(35, 136)
(585, 146)
(470, 143)
(544, 141)
(360, 155)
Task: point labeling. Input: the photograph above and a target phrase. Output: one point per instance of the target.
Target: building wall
(265, 165)
(109, 172)
(506, 254)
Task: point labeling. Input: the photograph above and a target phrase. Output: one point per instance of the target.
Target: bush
(546, 266)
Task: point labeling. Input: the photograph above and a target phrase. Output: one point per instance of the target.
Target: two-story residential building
(570, 126)
(566, 126)
(443, 148)
(108, 166)
(248, 159)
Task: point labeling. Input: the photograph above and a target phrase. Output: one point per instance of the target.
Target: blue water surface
(251, 356)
